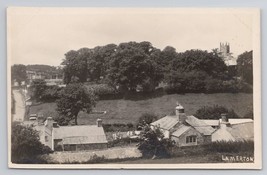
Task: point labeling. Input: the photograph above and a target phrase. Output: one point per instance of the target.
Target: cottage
(232, 129)
(184, 130)
(71, 138)
(189, 130)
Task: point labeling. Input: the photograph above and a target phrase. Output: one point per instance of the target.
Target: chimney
(224, 122)
(180, 114)
(99, 123)
(49, 122)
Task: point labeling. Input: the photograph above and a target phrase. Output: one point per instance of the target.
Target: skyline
(44, 35)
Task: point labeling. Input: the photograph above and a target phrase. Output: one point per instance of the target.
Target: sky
(44, 35)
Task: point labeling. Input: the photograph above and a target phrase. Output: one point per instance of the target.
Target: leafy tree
(73, 99)
(75, 65)
(132, 66)
(153, 144)
(98, 61)
(18, 73)
(147, 118)
(245, 66)
(25, 144)
(37, 89)
(198, 60)
(214, 112)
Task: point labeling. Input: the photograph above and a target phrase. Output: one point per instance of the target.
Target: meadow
(128, 111)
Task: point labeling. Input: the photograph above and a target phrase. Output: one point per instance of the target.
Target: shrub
(230, 147)
(25, 144)
(123, 141)
(153, 144)
(214, 112)
(51, 94)
(146, 118)
(213, 86)
(118, 127)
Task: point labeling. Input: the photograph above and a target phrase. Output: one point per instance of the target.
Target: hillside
(128, 111)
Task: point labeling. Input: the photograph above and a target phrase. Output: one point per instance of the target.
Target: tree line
(133, 66)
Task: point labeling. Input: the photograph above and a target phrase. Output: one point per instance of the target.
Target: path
(19, 106)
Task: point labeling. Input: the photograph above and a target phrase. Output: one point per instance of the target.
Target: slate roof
(81, 134)
(166, 123)
(243, 131)
(169, 122)
(200, 125)
(182, 129)
(231, 121)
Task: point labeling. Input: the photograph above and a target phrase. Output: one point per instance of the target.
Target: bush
(118, 127)
(146, 118)
(214, 112)
(51, 94)
(230, 147)
(25, 144)
(123, 141)
(154, 144)
(213, 86)
(104, 91)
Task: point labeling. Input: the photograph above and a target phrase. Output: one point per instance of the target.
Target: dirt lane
(19, 106)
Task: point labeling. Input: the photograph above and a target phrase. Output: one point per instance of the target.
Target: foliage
(245, 66)
(230, 146)
(198, 60)
(123, 142)
(146, 118)
(37, 89)
(25, 144)
(75, 66)
(131, 66)
(13, 103)
(18, 73)
(214, 112)
(98, 61)
(118, 127)
(50, 94)
(102, 89)
(153, 144)
(73, 99)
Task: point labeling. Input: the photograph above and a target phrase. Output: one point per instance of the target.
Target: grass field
(128, 111)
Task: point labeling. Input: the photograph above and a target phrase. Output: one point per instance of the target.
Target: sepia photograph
(134, 88)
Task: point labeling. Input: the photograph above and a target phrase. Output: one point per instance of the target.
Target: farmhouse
(71, 138)
(189, 130)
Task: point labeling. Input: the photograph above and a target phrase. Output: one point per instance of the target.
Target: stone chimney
(49, 123)
(224, 122)
(99, 123)
(180, 113)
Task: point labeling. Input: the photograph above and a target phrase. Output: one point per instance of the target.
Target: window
(191, 139)
(46, 138)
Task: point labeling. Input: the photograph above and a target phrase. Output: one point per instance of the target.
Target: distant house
(189, 130)
(71, 138)
(232, 129)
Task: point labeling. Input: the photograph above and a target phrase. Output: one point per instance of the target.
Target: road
(19, 106)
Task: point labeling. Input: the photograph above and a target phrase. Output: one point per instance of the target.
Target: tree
(153, 143)
(245, 66)
(132, 66)
(214, 112)
(198, 60)
(18, 73)
(147, 118)
(25, 144)
(73, 99)
(98, 61)
(75, 65)
(37, 89)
